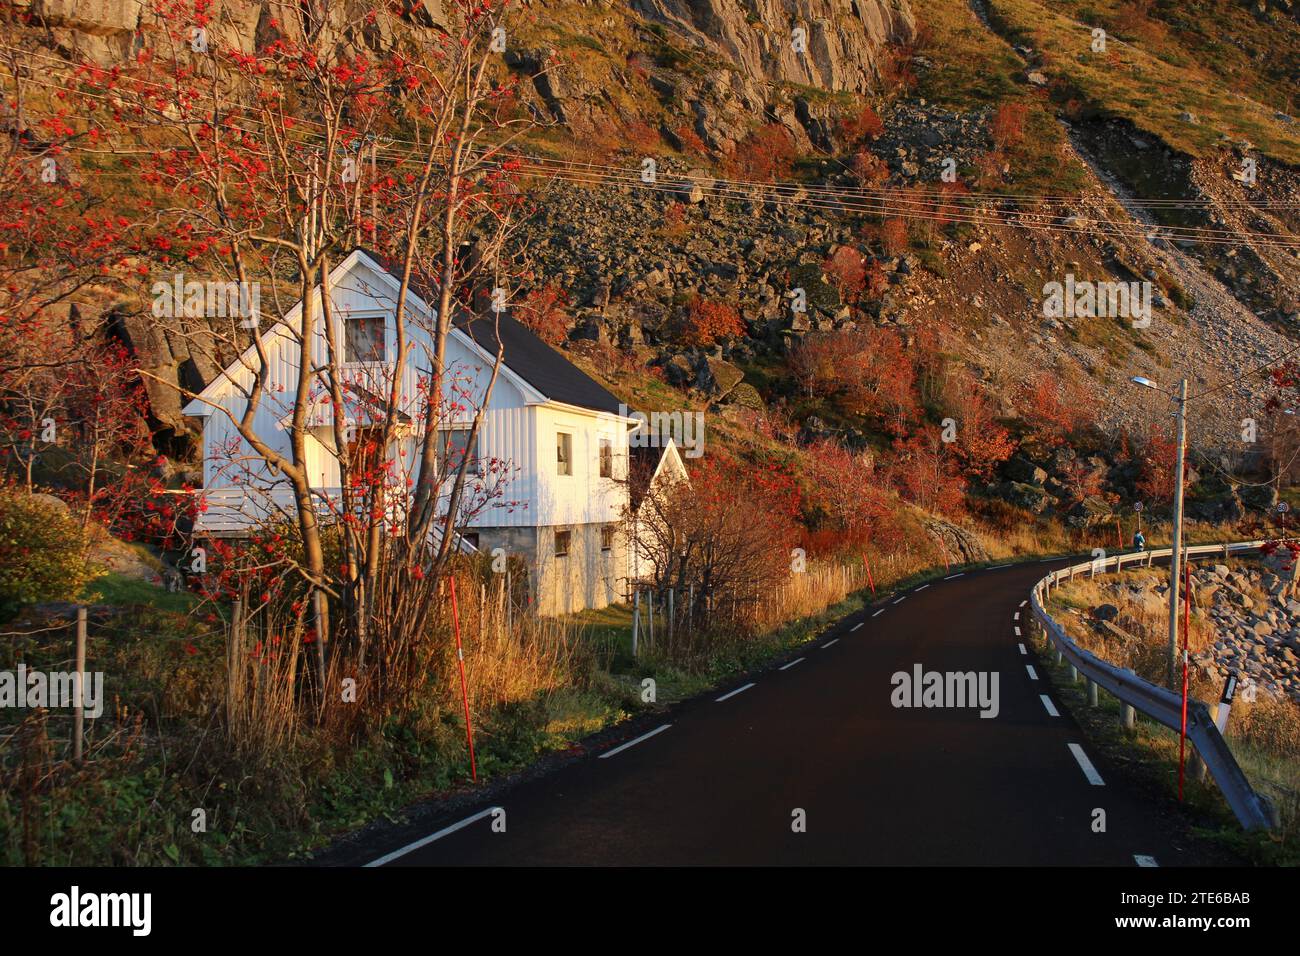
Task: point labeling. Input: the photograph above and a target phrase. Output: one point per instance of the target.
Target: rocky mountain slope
(1088, 188)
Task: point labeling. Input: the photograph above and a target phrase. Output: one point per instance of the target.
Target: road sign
(1283, 507)
(1137, 506)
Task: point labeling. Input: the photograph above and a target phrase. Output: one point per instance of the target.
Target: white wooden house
(561, 437)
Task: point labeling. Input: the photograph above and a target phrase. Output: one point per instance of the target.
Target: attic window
(363, 337)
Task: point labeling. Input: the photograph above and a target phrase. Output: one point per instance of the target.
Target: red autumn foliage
(870, 169)
(1053, 409)
(765, 155)
(926, 472)
(1158, 459)
(982, 444)
(708, 321)
(847, 270)
(893, 237)
(865, 124)
(545, 311)
(867, 372)
(690, 140)
(1007, 127)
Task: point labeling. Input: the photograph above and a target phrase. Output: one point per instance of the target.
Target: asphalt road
(721, 781)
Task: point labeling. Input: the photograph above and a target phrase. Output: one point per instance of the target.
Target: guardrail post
(1127, 716)
(1059, 657)
(1074, 674)
(1092, 693)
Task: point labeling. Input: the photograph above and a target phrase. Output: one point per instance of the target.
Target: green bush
(42, 552)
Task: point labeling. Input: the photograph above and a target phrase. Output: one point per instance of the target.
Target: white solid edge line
(830, 642)
(1141, 859)
(1033, 674)
(732, 693)
(1022, 649)
(921, 588)
(445, 831)
(856, 626)
(1086, 766)
(957, 575)
(786, 667)
(878, 613)
(636, 740)
(1051, 708)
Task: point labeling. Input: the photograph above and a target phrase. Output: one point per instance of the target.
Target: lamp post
(1175, 559)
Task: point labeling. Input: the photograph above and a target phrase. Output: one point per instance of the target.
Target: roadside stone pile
(1254, 610)
(1258, 619)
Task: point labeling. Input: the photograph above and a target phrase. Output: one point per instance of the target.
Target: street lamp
(1176, 559)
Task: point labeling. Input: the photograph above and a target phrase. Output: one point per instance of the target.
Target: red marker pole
(464, 688)
(1187, 626)
(867, 565)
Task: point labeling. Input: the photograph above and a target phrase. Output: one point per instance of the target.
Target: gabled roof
(541, 366)
(550, 375)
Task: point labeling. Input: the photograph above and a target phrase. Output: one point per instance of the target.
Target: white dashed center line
(1016, 616)
(922, 588)
(878, 613)
(856, 626)
(999, 567)
(730, 694)
(1017, 630)
(901, 600)
(1051, 708)
(1143, 860)
(1024, 602)
(786, 667)
(445, 831)
(1033, 674)
(634, 741)
(1086, 766)
(1022, 649)
(830, 642)
(957, 575)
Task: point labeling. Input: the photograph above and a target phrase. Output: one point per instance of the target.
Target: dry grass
(1264, 736)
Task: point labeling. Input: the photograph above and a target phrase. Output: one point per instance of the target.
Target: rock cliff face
(842, 39)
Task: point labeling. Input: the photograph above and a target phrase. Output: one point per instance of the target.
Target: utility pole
(1176, 558)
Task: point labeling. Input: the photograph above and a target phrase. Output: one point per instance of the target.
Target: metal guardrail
(1162, 705)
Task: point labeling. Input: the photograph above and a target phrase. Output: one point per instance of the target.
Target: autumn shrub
(1007, 126)
(545, 311)
(707, 321)
(42, 552)
(893, 237)
(865, 124)
(765, 155)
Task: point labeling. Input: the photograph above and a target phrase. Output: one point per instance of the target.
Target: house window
(563, 454)
(365, 455)
(606, 458)
(607, 537)
(470, 538)
(363, 338)
(453, 448)
(562, 543)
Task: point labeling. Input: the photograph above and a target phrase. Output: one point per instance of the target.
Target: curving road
(720, 778)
